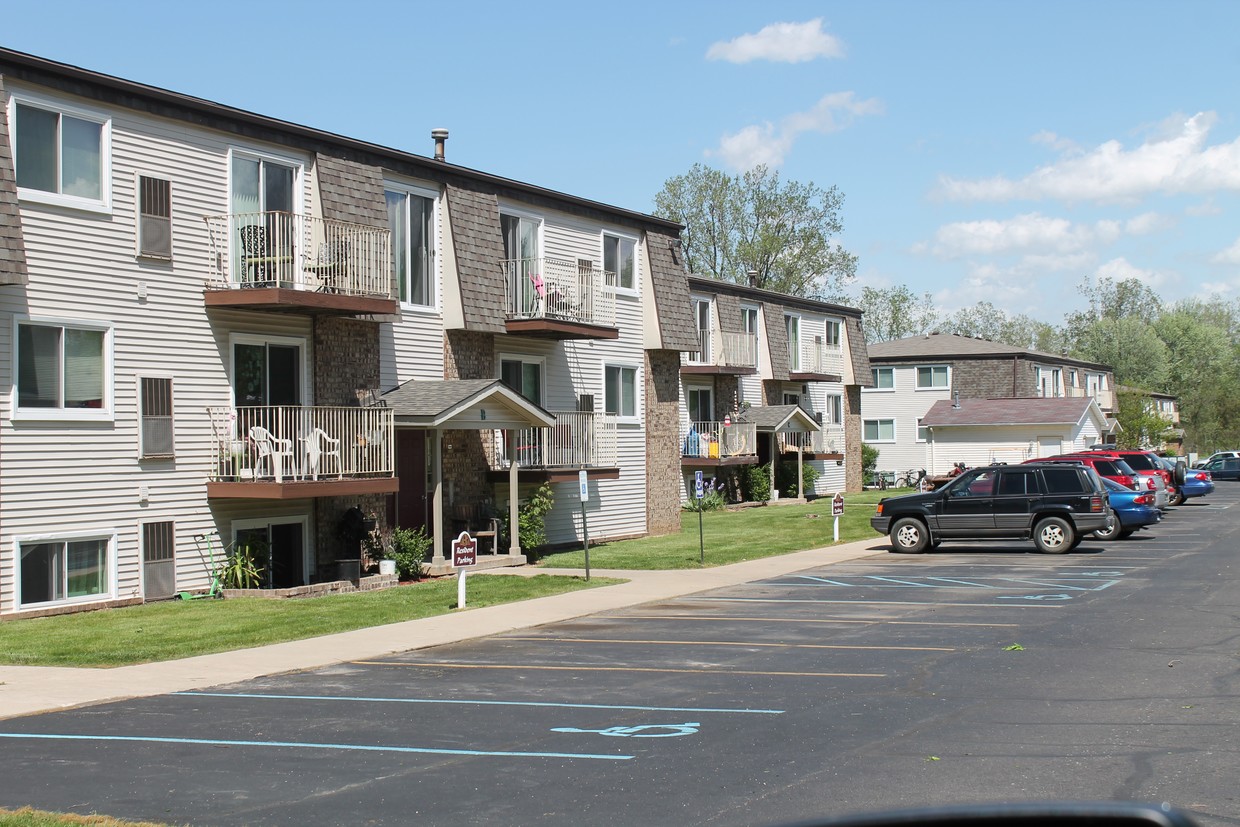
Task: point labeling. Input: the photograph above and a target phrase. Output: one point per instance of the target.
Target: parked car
(1146, 464)
(1201, 463)
(1133, 510)
(1223, 469)
(1196, 482)
(1056, 504)
(1107, 467)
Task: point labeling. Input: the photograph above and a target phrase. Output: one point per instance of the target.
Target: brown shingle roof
(12, 243)
(1035, 411)
(952, 345)
(671, 294)
(479, 251)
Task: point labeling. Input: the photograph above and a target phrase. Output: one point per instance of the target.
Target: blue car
(1197, 482)
(1133, 510)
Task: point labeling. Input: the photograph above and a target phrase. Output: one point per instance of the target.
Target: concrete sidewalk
(26, 690)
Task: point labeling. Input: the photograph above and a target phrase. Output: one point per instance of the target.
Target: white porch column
(437, 534)
(514, 540)
(774, 457)
(801, 492)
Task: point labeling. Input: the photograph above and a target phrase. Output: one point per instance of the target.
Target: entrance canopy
(464, 404)
(782, 419)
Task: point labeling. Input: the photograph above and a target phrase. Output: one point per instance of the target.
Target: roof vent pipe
(956, 399)
(440, 135)
(753, 278)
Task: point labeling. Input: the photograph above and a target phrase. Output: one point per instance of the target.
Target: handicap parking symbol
(667, 730)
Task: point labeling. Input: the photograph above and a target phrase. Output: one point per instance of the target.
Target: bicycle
(880, 480)
(911, 478)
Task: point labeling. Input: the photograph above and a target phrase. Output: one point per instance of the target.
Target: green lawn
(175, 629)
(733, 536)
(27, 817)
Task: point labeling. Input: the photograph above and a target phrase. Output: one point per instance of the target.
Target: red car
(1146, 463)
(1108, 468)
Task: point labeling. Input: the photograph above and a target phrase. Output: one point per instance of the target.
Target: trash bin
(350, 570)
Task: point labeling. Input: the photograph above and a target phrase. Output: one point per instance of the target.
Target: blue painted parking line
(930, 582)
(261, 696)
(219, 742)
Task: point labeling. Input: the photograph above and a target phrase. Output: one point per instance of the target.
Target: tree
(755, 221)
(895, 313)
(1130, 346)
(1140, 425)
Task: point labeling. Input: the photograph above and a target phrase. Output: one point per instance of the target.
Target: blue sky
(998, 151)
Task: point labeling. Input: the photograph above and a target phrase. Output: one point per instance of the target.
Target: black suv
(1055, 503)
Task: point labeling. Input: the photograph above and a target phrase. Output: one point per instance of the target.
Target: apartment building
(773, 379)
(910, 375)
(222, 327)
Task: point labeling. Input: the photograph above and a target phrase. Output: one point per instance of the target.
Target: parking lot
(772, 701)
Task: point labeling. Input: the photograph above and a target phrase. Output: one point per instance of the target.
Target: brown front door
(411, 500)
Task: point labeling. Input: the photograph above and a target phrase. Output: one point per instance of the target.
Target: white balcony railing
(816, 357)
(828, 440)
(547, 288)
(1105, 397)
(715, 440)
(281, 249)
(578, 439)
(704, 355)
(289, 442)
(740, 350)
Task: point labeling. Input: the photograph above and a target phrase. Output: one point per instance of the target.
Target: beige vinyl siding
(412, 348)
(86, 476)
(985, 445)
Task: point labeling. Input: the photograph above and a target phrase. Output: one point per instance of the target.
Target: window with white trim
(155, 406)
(923, 432)
(63, 369)
(701, 404)
(56, 571)
(154, 217)
(834, 414)
(832, 339)
(792, 327)
(525, 376)
(620, 261)
(879, 430)
(411, 217)
(620, 391)
(61, 154)
(884, 378)
(932, 376)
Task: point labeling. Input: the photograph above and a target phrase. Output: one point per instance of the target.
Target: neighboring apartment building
(220, 323)
(1166, 407)
(910, 375)
(773, 377)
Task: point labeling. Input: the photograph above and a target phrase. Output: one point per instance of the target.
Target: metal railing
(815, 357)
(828, 440)
(548, 288)
(578, 439)
(740, 350)
(1105, 397)
(715, 440)
(289, 442)
(282, 249)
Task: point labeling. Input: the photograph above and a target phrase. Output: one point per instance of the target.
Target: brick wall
(852, 438)
(662, 441)
(467, 355)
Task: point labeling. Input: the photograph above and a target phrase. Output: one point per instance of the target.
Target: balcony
(816, 362)
(714, 444)
(555, 299)
(578, 441)
(736, 355)
(283, 262)
(292, 452)
(1104, 397)
(827, 443)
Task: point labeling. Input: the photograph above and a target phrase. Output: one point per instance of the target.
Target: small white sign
(583, 483)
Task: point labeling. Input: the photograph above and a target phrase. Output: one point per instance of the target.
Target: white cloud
(1120, 269)
(1055, 142)
(1147, 223)
(781, 43)
(1034, 233)
(1229, 256)
(1177, 163)
(770, 144)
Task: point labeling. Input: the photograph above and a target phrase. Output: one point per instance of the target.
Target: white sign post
(837, 511)
(699, 492)
(464, 555)
(583, 485)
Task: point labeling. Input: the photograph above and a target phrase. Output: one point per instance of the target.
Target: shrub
(756, 483)
(410, 549)
(241, 569)
(785, 478)
(531, 519)
(869, 461)
(713, 498)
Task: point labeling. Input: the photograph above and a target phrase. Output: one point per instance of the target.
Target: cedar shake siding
(776, 341)
(479, 251)
(671, 294)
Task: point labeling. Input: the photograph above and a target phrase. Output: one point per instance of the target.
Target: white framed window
(832, 337)
(792, 326)
(64, 370)
(62, 154)
(878, 430)
(65, 569)
(620, 262)
(411, 218)
(620, 392)
(834, 414)
(524, 374)
(526, 283)
(702, 321)
(155, 429)
(154, 203)
(701, 402)
(268, 370)
(932, 376)
(884, 379)
(923, 433)
(749, 319)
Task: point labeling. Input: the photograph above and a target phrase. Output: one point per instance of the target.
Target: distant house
(1167, 408)
(913, 374)
(989, 431)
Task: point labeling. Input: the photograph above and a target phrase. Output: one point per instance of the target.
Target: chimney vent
(956, 399)
(753, 278)
(441, 136)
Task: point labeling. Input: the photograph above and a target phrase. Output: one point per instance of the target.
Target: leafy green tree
(895, 313)
(783, 230)
(1130, 346)
(1140, 425)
